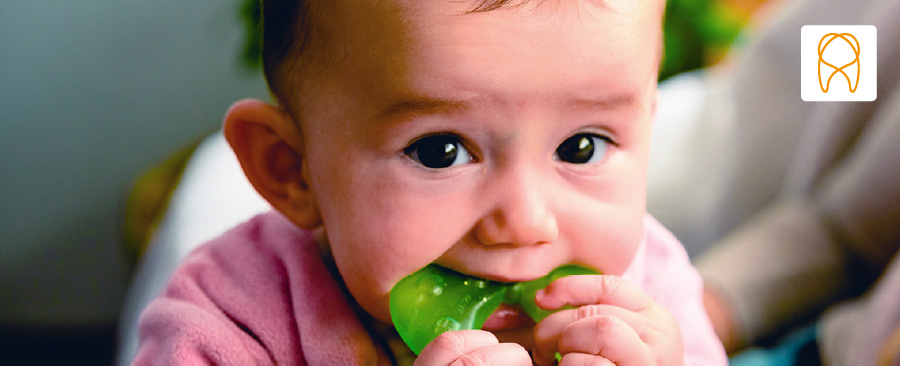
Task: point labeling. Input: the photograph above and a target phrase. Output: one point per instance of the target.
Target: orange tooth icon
(853, 45)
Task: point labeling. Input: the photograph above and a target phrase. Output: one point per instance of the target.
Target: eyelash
(583, 148)
(456, 150)
(452, 144)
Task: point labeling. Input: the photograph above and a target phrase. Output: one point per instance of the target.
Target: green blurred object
(251, 14)
(435, 300)
(697, 33)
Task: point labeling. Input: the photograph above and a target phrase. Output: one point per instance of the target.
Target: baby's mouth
(508, 317)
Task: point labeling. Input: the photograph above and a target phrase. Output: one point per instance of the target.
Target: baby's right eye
(438, 151)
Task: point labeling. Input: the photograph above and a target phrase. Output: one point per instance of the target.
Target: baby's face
(500, 144)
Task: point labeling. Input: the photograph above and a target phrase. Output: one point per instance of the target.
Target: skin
(510, 85)
(723, 320)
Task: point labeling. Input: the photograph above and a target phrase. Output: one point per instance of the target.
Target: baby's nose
(521, 215)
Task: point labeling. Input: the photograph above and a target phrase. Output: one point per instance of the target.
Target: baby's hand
(616, 323)
(471, 347)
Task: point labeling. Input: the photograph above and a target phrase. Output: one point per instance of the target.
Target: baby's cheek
(369, 288)
(617, 247)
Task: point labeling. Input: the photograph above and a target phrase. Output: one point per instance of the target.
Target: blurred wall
(92, 93)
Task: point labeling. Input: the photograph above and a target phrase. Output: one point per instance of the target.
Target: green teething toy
(435, 300)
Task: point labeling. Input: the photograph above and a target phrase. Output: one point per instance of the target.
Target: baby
(497, 139)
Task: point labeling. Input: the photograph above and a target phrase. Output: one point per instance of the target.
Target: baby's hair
(286, 33)
(290, 27)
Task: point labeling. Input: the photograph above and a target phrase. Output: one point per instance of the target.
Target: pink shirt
(261, 294)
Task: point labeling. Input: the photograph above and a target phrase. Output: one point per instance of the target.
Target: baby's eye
(583, 148)
(438, 151)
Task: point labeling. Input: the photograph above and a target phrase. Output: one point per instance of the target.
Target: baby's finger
(583, 359)
(503, 354)
(471, 347)
(450, 346)
(606, 336)
(548, 331)
(592, 289)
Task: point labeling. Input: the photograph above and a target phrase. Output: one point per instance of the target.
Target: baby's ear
(269, 146)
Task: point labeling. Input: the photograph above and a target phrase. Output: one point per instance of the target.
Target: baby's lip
(502, 278)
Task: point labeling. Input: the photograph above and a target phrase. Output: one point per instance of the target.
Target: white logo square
(838, 63)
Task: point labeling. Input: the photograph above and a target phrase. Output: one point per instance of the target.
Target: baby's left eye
(582, 148)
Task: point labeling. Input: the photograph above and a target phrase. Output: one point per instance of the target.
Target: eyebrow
(422, 106)
(419, 106)
(606, 103)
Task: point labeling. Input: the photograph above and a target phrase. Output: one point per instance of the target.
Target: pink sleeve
(258, 295)
(226, 304)
(176, 332)
(669, 277)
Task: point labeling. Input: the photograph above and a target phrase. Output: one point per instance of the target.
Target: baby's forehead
(363, 13)
(349, 26)
(356, 36)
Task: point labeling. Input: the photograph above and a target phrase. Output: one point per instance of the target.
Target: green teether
(435, 300)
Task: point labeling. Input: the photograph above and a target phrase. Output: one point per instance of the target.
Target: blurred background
(94, 93)
(100, 103)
